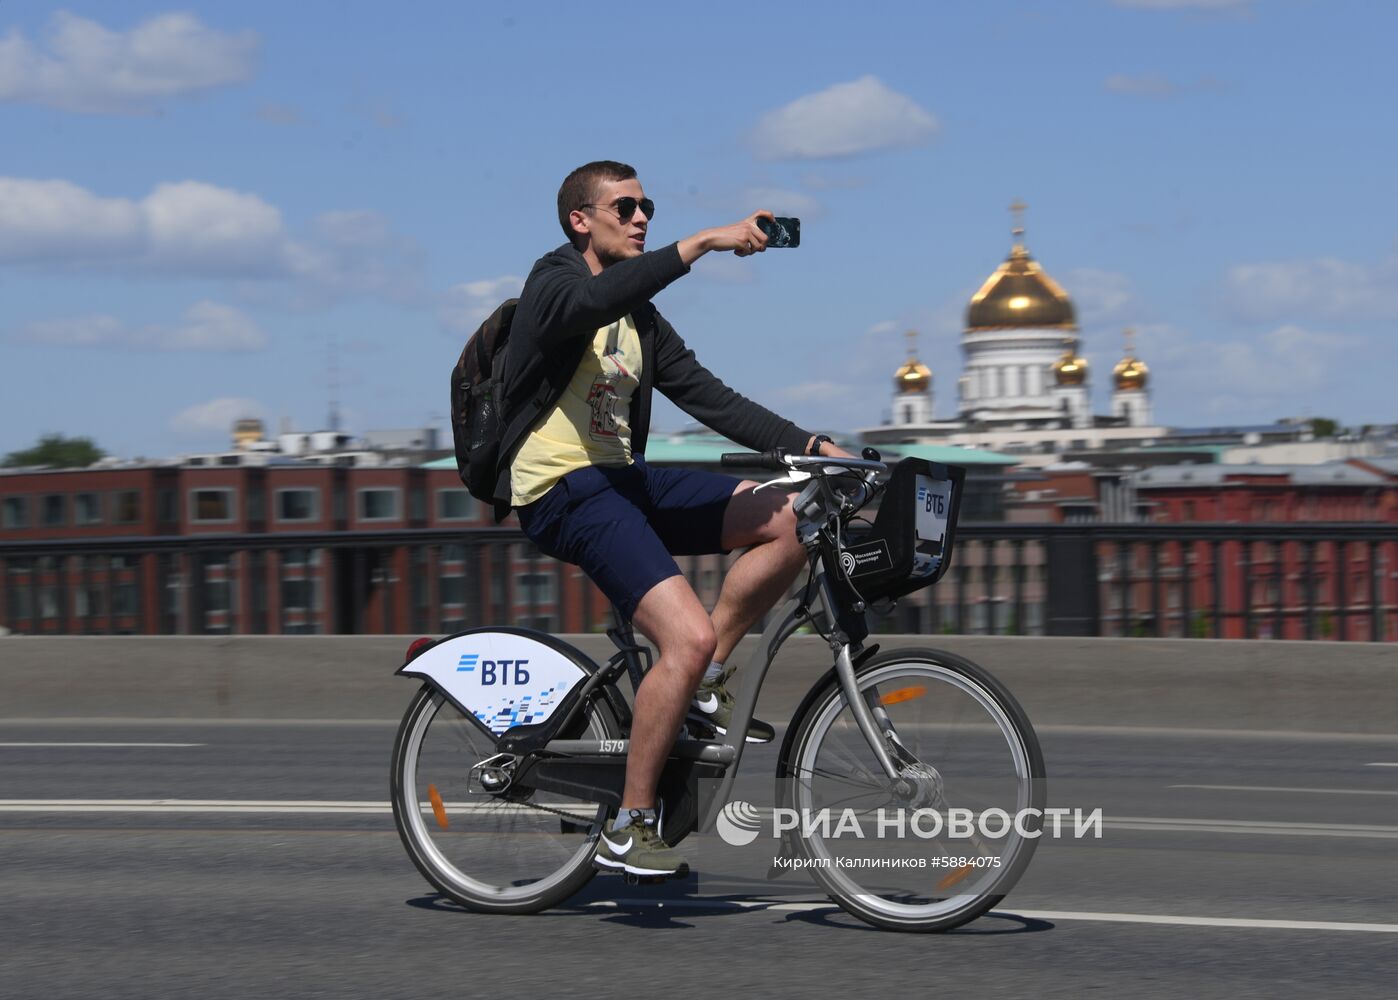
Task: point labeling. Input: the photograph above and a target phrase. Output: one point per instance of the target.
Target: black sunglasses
(626, 207)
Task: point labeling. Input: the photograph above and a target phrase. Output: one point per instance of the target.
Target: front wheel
(493, 846)
(944, 842)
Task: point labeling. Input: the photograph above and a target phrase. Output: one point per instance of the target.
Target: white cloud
(1323, 287)
(782, 202)
(843, 120)
(467, 304)
(56, 220)
(215, 415)
(1102, 297)
(197, 228)
(357, 252)
(81, 66)
(206, 326)
(1241, 378)
(194, 229)
(726, 269)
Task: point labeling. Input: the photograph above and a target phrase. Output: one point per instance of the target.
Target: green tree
(57, 451)
(1324, 427)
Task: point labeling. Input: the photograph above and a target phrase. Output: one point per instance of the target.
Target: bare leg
(759, 578)
(671, 616)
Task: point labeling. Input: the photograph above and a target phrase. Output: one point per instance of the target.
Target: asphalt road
(1231, 865)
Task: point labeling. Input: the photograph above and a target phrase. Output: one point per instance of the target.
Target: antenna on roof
(333, 364)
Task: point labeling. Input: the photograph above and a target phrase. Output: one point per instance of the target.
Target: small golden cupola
(1020, 293)
(1070, 369)
(912, 376)
(1130, 373)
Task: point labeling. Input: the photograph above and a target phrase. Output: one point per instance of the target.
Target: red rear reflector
(415, 647)
(903, 694)
(956, 875)
(438, 810)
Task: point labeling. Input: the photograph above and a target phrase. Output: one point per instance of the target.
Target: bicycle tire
(950, 714)
(510, 852)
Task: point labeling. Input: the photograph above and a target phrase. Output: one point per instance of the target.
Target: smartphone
(780, 231)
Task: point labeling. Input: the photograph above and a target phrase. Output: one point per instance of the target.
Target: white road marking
(1115, 918)
(1298, 791)
(261, 806)
(188, 806)
(1151, 824)
(159, 745)
(1383, 763)
(1151, 918)
(1159, 825)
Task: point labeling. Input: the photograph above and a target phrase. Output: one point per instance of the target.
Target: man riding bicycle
(586, 349)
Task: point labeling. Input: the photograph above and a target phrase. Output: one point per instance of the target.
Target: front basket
(909, 546)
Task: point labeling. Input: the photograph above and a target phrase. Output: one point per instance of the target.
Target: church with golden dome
(1024, 385)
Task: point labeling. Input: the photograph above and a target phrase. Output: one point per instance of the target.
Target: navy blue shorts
(624, 525)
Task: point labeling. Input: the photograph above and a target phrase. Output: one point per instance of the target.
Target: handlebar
(775, 459)
(779, 460)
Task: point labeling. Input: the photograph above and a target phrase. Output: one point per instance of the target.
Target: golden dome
(1020, 294)
(912, 375)
(1130, 373)
(1069, 369)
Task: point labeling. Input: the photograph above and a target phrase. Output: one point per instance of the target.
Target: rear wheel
(492, 846)
(964, 748)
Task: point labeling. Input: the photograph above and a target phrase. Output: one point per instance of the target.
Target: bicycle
(511, 757)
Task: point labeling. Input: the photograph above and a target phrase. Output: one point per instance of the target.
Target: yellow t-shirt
(591, 423)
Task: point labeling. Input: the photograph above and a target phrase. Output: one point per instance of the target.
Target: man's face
(612, 237)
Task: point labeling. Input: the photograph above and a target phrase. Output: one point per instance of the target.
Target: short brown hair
(580, 187)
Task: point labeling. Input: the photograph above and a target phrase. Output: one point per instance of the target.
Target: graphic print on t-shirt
(602, 398)
(591, 422)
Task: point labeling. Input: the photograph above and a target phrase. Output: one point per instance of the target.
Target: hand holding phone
(781, 232)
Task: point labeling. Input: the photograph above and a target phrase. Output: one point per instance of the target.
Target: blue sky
(197, 200)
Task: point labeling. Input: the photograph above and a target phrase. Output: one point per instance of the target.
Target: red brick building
(267, 549)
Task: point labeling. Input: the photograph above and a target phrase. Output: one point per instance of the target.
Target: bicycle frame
(821, 611)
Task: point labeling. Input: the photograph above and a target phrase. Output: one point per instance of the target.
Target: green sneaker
(713, 707)
(637, 849)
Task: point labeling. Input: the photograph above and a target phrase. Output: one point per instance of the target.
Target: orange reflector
(903, 694)
(438, 810)
(954, 877)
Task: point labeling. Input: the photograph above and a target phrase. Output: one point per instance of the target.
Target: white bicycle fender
(503, 678)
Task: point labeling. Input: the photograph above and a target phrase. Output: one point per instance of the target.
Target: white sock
(711, 674)
(624, 817)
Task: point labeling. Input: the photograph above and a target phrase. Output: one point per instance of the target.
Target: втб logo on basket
(738, 823)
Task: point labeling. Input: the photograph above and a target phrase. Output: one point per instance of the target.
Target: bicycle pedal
(648, 879)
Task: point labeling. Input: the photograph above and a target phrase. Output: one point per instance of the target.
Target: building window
(455, 505)
(211, 505)
(16, 512)
(535, 588)
(257, 500)
(298, 505)
(87, 601)
(451, 590)
(55, 510)
(124, 599)
(87, 508)
(126, 506)
(300, 591)
(21, 601)
(379, 505)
